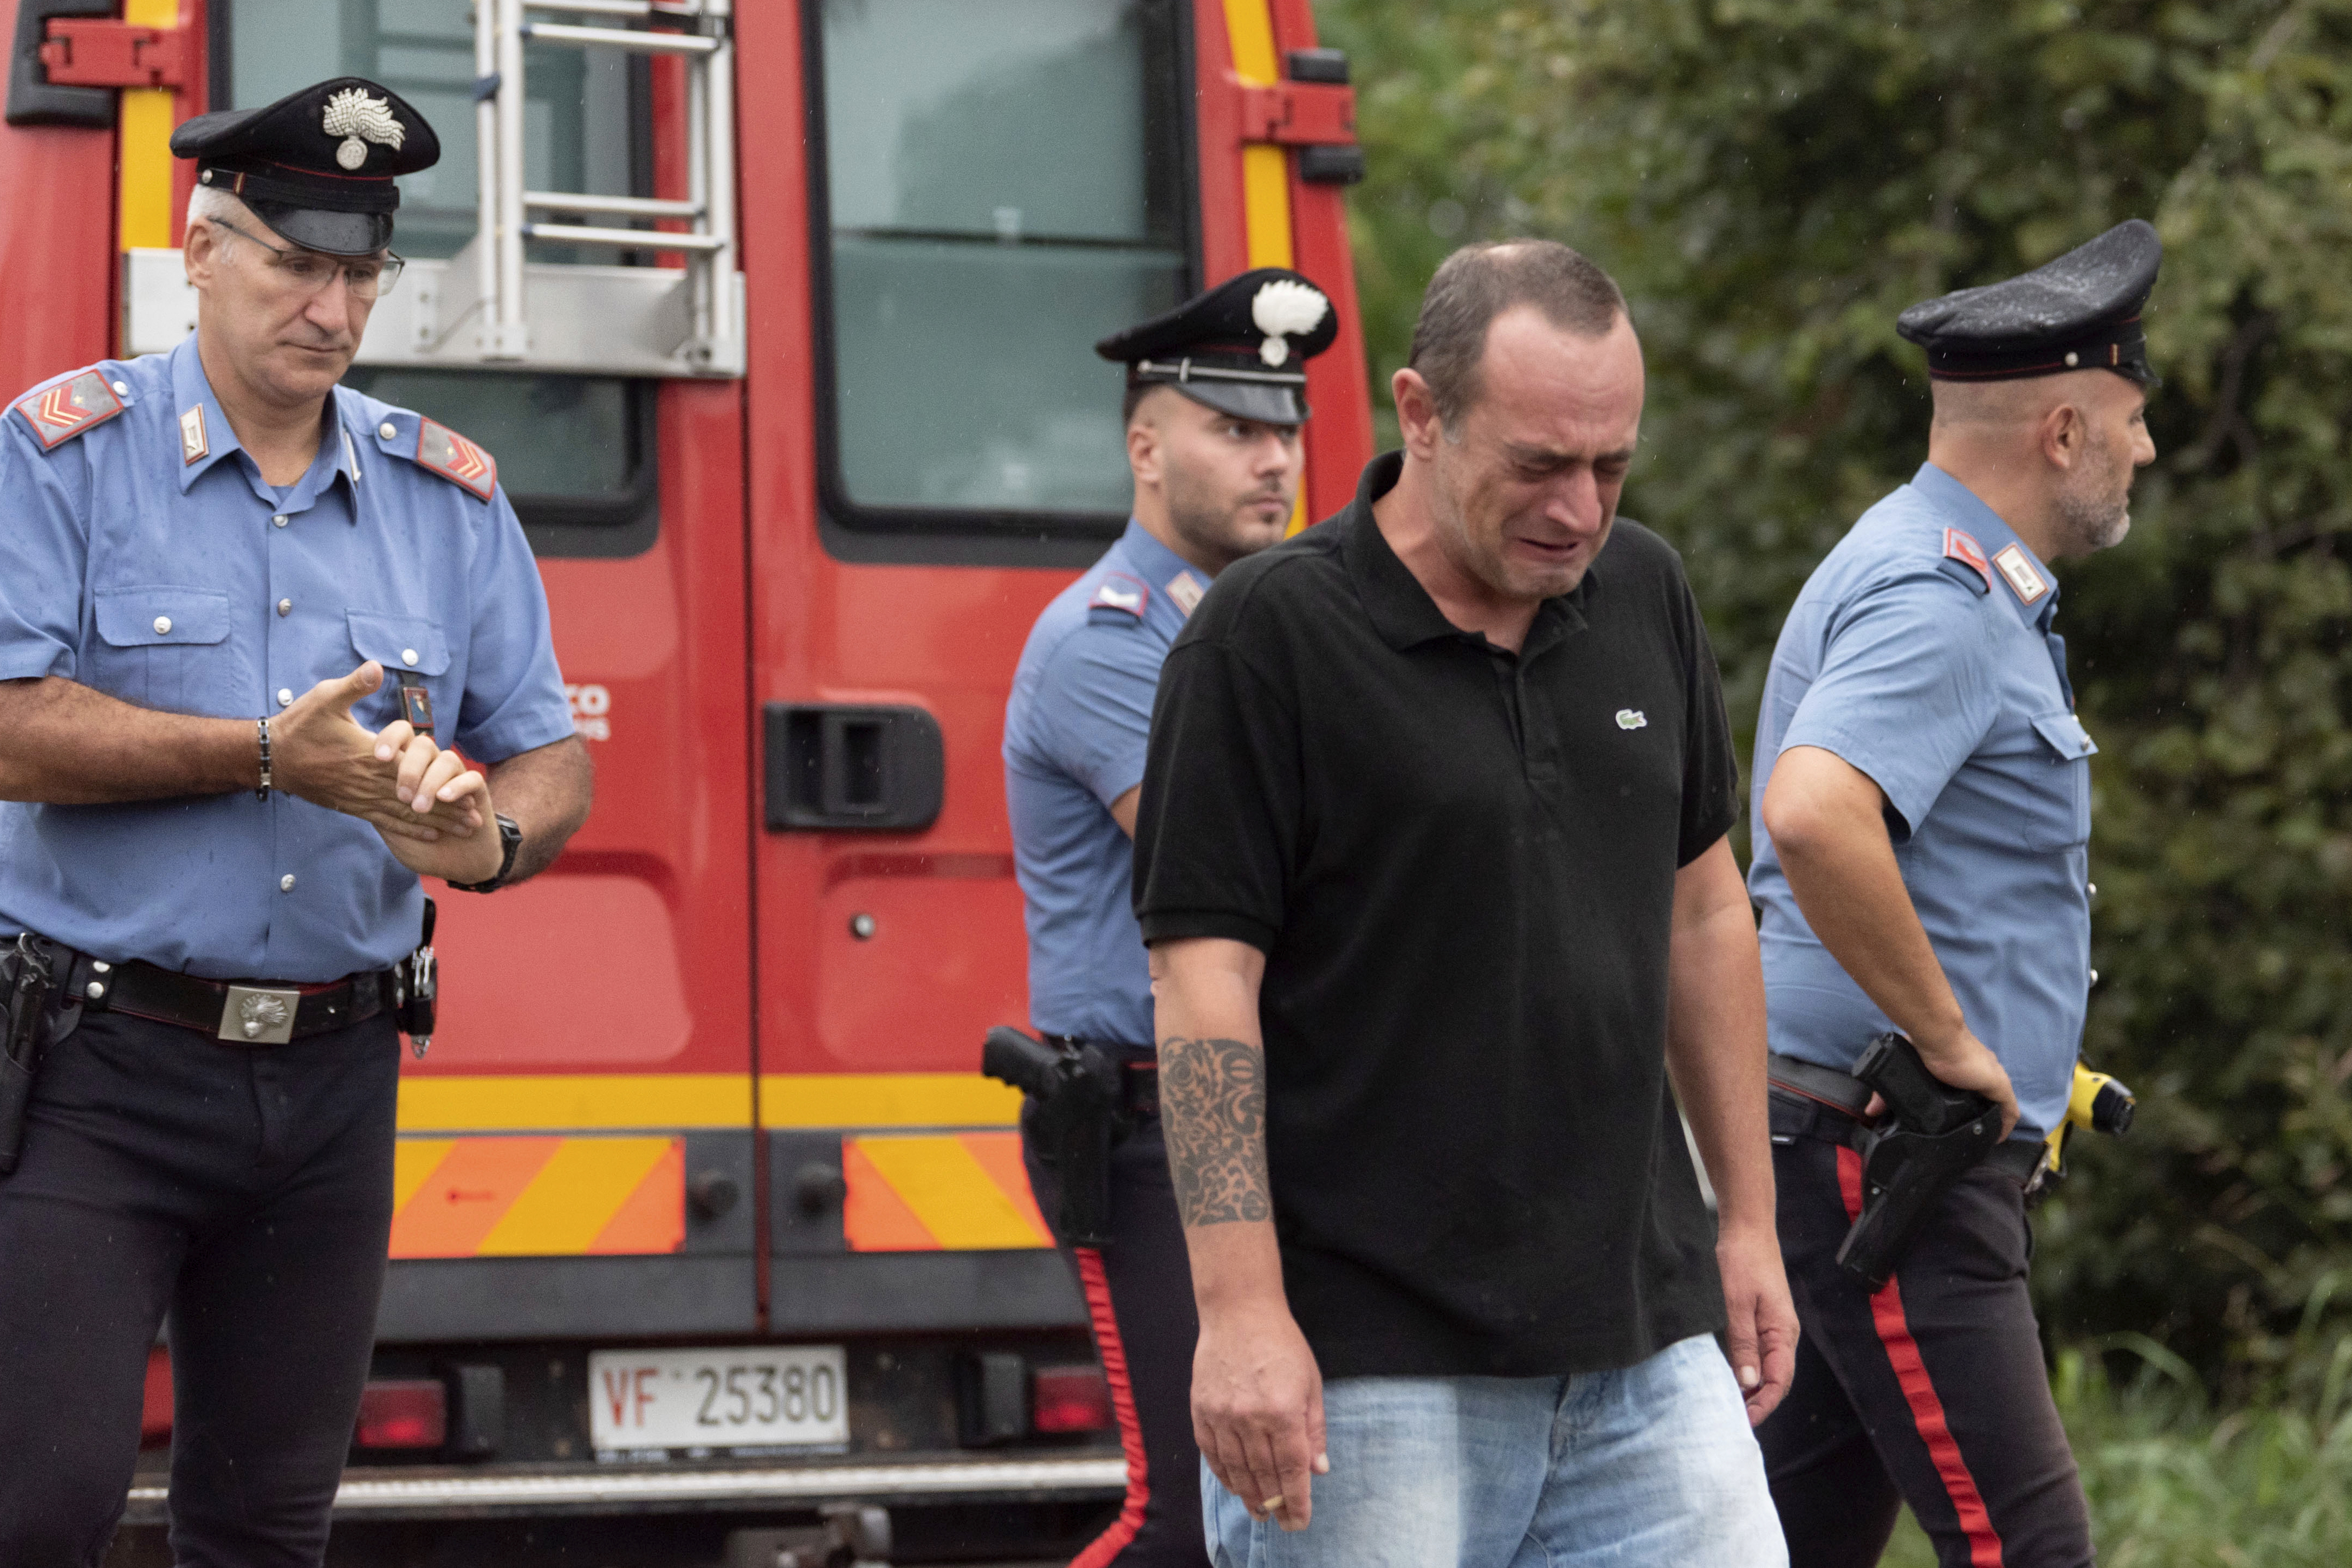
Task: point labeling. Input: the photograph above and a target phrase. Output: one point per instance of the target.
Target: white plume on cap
(1283, 308)
(351, 113)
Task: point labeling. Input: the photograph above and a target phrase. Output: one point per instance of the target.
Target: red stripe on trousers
(1105, 1548)
(1927, 1409)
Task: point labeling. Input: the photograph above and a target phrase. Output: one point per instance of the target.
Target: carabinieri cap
(1242, 348)
(2079, 313)
(317, 165)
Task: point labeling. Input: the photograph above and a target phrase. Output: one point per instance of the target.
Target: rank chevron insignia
(59, 413)
(454, 458)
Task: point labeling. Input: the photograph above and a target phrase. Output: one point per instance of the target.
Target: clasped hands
(426, 804)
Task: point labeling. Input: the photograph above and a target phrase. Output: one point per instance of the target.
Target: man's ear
(1416, 408)
(1144, 449)
(200, 253)
(2065, 432)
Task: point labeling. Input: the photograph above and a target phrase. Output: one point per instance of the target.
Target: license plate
(767, 1396)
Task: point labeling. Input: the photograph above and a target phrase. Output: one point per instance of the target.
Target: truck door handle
(832, 767)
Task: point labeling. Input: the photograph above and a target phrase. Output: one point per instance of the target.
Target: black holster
(1932, 1135)
(24, 979)
(1075, 1121)
(416, 988)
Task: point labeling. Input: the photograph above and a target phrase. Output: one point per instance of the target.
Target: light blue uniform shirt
(1921, 652)
(142, 557)
(1075, 734)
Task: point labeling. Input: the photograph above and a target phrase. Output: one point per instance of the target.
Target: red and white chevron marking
(69, 408)
(447, 453)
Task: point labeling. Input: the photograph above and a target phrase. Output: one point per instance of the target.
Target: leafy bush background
(1772, 180)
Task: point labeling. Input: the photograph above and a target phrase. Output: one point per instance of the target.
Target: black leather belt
(1138, 1072)
(241, 1012)
(1809, 1101)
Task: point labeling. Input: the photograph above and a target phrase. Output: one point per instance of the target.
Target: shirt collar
(209, 435)
(1153, 561)
(191, 390)
(1400, 609)
(1981, 522)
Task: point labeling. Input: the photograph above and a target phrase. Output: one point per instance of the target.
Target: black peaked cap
(317, 165)
(1241, 348)
(2079, 313)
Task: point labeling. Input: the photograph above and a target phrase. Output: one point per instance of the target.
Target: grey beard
(2094, 521)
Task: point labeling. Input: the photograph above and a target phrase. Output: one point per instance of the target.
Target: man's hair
(1479, 283)
(213, 205)
(1136, 391)
(2019, 402)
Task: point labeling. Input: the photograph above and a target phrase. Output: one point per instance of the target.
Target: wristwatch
(510, 842)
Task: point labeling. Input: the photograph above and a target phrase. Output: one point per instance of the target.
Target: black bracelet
(263, 793)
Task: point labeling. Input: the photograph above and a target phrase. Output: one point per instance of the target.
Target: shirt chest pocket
(168, 648)
(403, 645)
(2049, 766)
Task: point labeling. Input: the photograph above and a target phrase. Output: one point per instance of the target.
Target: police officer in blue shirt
(1215, 396)
(241, 608)
(1924, 790)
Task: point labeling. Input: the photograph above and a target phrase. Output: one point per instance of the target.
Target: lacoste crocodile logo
(1630, 719)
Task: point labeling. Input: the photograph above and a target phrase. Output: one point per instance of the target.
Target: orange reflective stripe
(538, 1196)
(571, 1199)
(965, 1192)
(652, 1218)
(873, 1217)
(999, 1154)
(466, 1195)
(412, 1160)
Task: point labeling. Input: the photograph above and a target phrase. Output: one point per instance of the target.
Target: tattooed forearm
(1212, 1108)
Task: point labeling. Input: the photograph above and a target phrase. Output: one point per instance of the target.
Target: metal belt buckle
(254, 1017)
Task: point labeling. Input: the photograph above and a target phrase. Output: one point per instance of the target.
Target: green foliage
(2171, 1487)
(1772, 180)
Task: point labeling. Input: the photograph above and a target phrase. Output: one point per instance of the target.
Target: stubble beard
(2097, 513)
(1218, 530)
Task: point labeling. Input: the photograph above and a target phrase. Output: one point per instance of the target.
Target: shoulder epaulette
(1973, 569)
(455, 459)
(64, 409)
(1117, 590)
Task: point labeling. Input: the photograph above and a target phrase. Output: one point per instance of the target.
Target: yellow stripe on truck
(887, 1100)
(1266, 167)
(143, 194)
(520, 1103)
(617, 1101)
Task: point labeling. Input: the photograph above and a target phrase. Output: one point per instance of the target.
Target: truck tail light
(155, 1401)
(406, 1413)
(1071, 1399)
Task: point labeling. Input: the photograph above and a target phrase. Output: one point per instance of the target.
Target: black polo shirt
(1477, 1163)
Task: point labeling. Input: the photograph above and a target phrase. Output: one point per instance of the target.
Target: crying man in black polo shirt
(1432, 861)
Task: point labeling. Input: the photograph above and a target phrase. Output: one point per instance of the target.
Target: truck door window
(575, 452)
(1001, 184)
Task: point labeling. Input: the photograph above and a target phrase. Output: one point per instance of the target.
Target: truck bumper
(474, 1492)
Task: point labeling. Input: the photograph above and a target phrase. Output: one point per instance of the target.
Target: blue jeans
(1651, 1465)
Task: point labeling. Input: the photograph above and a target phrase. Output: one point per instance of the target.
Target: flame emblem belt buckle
(254, 1017)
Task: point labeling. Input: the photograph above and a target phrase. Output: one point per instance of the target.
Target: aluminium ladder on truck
(488, 307)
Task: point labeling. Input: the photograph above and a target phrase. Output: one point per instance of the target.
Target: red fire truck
(777, 315)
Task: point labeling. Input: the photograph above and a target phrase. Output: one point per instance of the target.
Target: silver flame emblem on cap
(358, 119)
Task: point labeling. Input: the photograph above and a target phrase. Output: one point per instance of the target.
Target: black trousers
(244, 1191)
(1931, 1392)
(1139, 1292)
